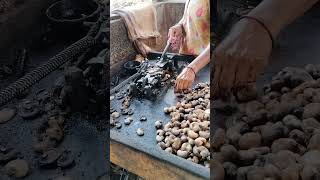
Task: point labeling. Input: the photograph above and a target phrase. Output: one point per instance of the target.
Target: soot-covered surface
(154, 111)
(81, 135)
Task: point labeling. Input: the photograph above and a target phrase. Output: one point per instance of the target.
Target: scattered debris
(81, 89)
(66, 159)
(29, 109)
(158, 124)
(128, 120)
(52, 135)
(49, 159)
(17, 168)
(115, 115)
(6, 114)
(143, 118)
(140, 131)
(118, 125)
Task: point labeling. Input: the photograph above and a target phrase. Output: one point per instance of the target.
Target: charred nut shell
(143, 118)
(49, 158)
(128, 121)
(115, 115)
(158, 124)
(162, 145)
(140, 131)
(130, 112)
(17, 168)
(166, 110)
(118, 125)
(6, 114)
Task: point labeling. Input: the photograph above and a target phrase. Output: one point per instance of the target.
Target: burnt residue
(53, 129)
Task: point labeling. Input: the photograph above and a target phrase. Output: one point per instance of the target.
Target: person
(191, 36)
(244, 52)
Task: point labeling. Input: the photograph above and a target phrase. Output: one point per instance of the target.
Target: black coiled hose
(43, 70)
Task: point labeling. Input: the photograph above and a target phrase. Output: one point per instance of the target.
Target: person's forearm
(184, 13)
(201, 61)
(276, 14)
(181, 21)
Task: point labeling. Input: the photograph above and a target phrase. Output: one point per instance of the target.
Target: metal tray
(153, 110)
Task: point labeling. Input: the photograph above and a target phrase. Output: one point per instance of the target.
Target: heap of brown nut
(273, 136)
(187, 135)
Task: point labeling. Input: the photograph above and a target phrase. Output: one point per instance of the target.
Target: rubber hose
(43, 70)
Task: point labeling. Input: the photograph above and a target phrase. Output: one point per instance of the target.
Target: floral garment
(197, 27)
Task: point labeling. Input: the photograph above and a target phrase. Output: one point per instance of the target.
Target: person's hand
(240, 57)
(185, 79)
(175, 36)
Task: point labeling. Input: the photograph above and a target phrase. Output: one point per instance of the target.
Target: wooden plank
(146, 166)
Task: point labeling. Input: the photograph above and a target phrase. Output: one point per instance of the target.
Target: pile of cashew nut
(187, 135)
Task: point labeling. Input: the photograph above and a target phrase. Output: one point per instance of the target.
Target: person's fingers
(228, 74)
(170, 33)
(178, 86)
(184, 84)
(174, 46)
(216, 85)
(252, 73)
(177, 80)
(242, 72)
(189, 84)
(216, 79)
(175, 43)
(175, 84)
(173, 40)
(262, 63)
(225, 70)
